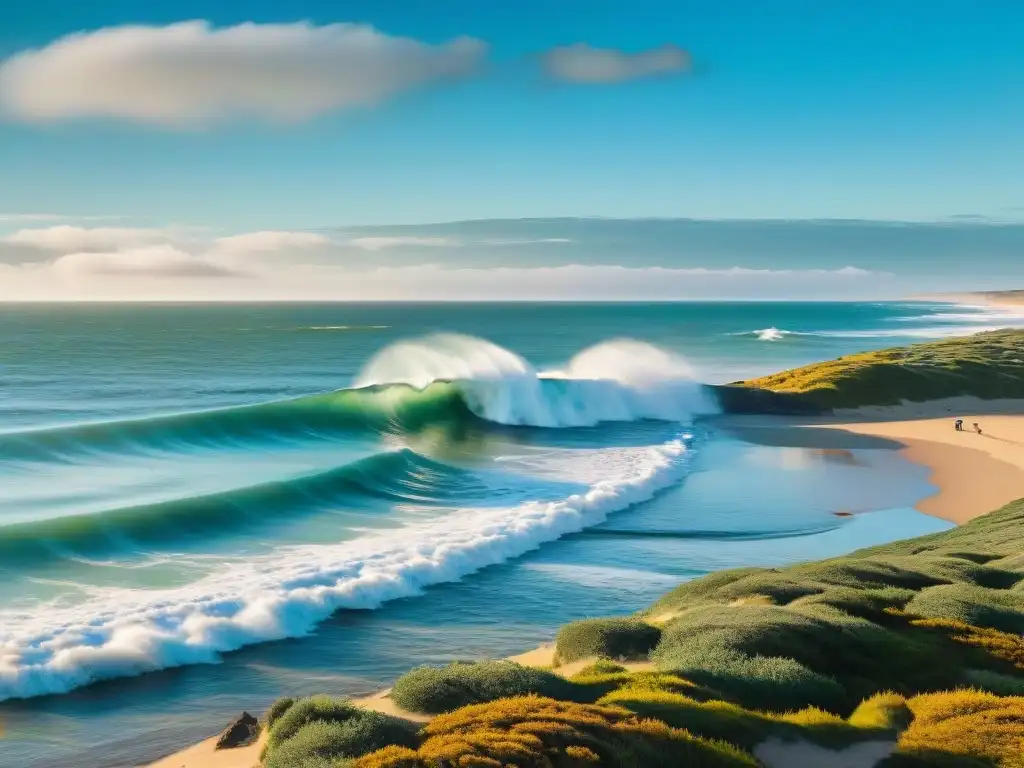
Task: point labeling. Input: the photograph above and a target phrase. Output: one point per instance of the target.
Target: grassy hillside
(986, 365)
(917, 643)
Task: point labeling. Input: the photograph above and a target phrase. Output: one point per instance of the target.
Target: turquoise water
(203, 507)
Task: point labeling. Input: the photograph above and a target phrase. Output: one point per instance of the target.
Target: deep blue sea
(203, 507)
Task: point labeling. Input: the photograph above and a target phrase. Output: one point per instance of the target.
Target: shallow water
(327, 543)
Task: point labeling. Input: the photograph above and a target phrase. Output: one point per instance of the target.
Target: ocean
(203, 507)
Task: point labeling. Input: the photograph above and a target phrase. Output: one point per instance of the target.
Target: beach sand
(1012, 300)
(203, 755)
(973, 474)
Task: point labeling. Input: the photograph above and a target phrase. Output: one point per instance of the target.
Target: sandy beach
(1011, 300)
(972, 473)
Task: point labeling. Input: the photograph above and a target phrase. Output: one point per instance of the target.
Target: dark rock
(241, 733)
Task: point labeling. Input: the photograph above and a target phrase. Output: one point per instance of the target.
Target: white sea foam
(930, 332)
(122, 632)
(924, 332)
(618, 380)
(947, 321)
(771, 334)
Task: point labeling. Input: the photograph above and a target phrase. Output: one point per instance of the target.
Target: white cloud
(155, 261)
(69, 262)
(67, 238)
(582, 63)
(533, 241)
(577, 282)
(272, 240)
(191, 73)
(381, 243)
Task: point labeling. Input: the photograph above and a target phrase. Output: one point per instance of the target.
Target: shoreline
(921, 432)
(1009, 300)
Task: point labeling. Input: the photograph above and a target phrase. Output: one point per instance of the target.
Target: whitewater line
(125, 632)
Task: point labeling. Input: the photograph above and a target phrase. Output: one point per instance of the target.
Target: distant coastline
(1007, 299)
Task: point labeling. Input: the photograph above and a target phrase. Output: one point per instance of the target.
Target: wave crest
(771, 334)
(126, 632)
(618, 380)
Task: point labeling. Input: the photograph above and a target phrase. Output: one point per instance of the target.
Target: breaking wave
(771, 334)
(397, 476)
(463, 519)
(122, 632)
(407, 387)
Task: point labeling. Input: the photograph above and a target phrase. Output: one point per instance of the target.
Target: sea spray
(617, 380)
(771, 334)
(121, 632)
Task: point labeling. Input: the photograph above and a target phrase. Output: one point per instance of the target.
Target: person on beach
(959, 425)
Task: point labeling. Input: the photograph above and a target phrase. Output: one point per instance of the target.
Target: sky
(590, 148)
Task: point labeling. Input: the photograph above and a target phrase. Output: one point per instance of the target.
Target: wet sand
(972, 473)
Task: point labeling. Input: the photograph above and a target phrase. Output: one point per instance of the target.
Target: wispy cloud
(160, 261)
(272, 240)
(382, 243)
(527, 241)
(67, 238)
(191, 73)
(584, 64)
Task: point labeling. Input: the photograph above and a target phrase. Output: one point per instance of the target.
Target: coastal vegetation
(916, 645)
(986, 365)
(606, 638)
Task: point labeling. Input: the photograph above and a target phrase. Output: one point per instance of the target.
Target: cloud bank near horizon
(68, 262)
(557, 259)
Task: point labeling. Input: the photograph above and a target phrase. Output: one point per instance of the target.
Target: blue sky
(792, 109)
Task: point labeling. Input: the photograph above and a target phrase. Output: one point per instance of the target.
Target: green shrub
(999, 533)
(773, 683)
(885, 711)
(329, 742)
(995, 682)
(984, 365)
(308, 710)
(711, 719)
(590, 688)
(533, 732)
(878, 717)
(698, 591)
(600, 667)
(1001, 650)
(816, 651)
(869, 573)
(870, 604)
(605, 638)
(1013, 563)
(780, 587)
(963, 728)
(975, 557)
(275, 710)
(997, 609)
(442, 689)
